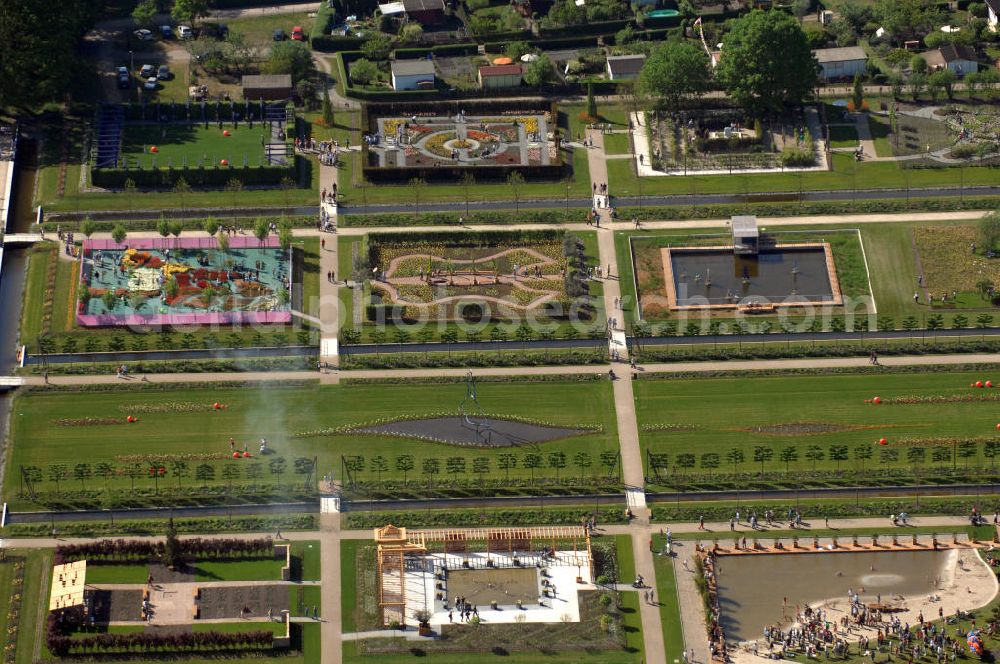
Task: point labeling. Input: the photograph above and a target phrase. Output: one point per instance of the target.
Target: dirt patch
(948, 262)
(117, 605)
(459, 431)
(229, 601)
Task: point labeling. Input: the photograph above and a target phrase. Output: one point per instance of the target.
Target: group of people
(465, 610)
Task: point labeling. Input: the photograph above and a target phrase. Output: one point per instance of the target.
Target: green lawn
(308, 555)
(194, 145)
(842, 136)
(666, 596)
(795, 427)
(348, 582)
(846, 174)
(278, 414)
(102, 573)
(617, 144)
(238, 570)
(259, 30)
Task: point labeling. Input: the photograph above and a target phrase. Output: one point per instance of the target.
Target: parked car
(297, 33)
(147, 70)
(279, 35)
(163, 73)
(143, 35)
(151, 83)
(185, 32)
(124, 79)
(166, 31)
(122, 71)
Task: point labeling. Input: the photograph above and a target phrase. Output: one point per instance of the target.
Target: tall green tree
(144, 13)
(290, 57)
(674, 73)
(767, 64)
(906, 19)
(187, 11)
(40, 61)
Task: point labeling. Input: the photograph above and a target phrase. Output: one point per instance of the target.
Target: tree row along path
(622, 371)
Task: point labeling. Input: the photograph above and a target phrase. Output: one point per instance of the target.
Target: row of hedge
(213, 175)
(553, 216)
(467, 359)
(557, 516)
(828, 508)
(301, 363)
(244, 524)
(441, 50)
(751, 351)
(139, 550)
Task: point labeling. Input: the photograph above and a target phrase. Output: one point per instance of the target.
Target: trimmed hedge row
(849, 349)
(249, 524)
(196, 547)
(212, 176)
(474, 217)
(571, 516)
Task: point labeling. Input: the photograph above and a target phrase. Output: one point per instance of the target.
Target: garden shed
(625, 67)
(425, 12)
(745, 234)
(494, 77)
(959, 58)
(844, 62)
(412, 74)
(269, 87)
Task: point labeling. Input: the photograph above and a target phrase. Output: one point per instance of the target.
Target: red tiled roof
(499, 70)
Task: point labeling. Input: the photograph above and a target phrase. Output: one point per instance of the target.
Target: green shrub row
(547, 216)
(447, 380)
(151, 224)
(118, 526)
(815, 371)
(142, 386)
(833, 509)
(207, 176)
(305, 363)
(807, 208)
(550, 516)
(776, 351)
(470, 359)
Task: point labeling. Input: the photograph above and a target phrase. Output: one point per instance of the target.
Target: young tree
(591, 103)
(182, 189)
(710, 461)
(557, 461)
(467, 181)
(404, 464)
(506, 461)
(277, 466)
(88, 227)
(377, 47)
(674, 74)
(736, 457)
(179, 469)
(480, 466)
(118, 233)
(815, 454)
(431, 467)
(582, 461)
(204, 473)
(417, 185)
(762, 454)
(378, 465)
(515, 181)
(788, 455)
(531, 461)
(858, 93)
(862, 453)
(838, 453)
(105, 471)
(261, 229)
(411, 33)
(768, 65)
(290, 57)
(82, 472)
(57, 473)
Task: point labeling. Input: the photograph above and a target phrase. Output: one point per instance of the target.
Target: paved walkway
(330, 630)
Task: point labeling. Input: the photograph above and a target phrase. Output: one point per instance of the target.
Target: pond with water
(752, 589)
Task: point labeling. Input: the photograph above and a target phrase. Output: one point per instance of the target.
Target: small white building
(843, 62)
(959, 58)
(412, 74)
(625, 67)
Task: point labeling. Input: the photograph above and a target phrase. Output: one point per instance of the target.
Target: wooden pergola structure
(394, 544)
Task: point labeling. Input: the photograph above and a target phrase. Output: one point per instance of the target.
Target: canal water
(754, 589)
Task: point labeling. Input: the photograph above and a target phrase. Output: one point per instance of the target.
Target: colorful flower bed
(14, 613)
(436, 143)
(87, 421)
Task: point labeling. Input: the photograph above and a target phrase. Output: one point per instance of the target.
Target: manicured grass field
(796, 425)
(616, 144)
(666, 596)
(277, 413)
(846, 174)
(194, 144)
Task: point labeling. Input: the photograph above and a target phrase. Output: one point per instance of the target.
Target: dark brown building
(270, 87)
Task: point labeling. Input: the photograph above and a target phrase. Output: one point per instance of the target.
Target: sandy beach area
(967, 583)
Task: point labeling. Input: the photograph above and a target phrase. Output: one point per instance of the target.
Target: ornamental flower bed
(166, 407)
(436, 143)
(942, 398)
(162, 458)
(86, 421)
(940, 442)
(355, 429)
(14, 613)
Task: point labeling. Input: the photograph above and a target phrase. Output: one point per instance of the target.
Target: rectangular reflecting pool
(761, 590)
(717, 277)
